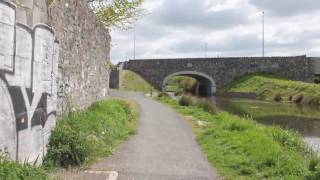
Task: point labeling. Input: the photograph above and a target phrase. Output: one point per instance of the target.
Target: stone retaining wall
(35, 85)
(84, 55)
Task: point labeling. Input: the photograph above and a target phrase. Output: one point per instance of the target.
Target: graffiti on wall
(28, 85)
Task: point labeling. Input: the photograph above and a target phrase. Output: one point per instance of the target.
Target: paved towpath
(163, 149)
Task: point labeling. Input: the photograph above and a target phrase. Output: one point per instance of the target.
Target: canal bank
(273, 88)
(240, 148)
(303, 119)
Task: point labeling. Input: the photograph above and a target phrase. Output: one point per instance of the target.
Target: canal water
(304, 119)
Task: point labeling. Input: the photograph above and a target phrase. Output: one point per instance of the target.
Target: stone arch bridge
(216, 73)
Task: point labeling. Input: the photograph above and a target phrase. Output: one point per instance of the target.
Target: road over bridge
(216, 73)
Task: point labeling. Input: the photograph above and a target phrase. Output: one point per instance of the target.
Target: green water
(304, 119)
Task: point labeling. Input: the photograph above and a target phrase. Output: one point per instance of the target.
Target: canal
(304, 119)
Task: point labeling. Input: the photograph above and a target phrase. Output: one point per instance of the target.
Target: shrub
(187, 100)
(66, 148)
(163, 94)
(207, 105)
(13, 170)
(310, 100)
(83, 137)
(277, 98)
(298, 98)
(177, 93)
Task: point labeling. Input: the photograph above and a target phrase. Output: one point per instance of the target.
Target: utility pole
(262, 33)
(205, 50)
(134, 42)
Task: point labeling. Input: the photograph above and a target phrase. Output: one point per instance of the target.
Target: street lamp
(134, 42)
(263, 34)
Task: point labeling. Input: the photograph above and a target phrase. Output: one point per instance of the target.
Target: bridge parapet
(315, 63)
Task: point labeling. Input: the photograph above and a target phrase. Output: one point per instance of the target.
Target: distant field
(269, 87)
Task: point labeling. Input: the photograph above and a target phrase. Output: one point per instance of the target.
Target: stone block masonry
(84, 54)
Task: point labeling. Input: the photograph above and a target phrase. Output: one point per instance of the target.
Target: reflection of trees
(304, 119)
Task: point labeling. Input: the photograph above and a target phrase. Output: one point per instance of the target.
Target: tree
(117, 13)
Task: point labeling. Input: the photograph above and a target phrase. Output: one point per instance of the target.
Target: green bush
(83, 137)
(66, 148)
(298, 98)
(163, 94)
(10, 170)
(311, 100)
(207, 105)
(187, 100)
(277, 97)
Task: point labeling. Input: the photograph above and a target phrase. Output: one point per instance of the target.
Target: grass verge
(84, 137)
(11, 170)
(131, 81)
(269, 87)
(240, 148)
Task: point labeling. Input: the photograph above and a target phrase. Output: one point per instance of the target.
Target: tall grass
(84, 137)
(11, 170)
(204, 103)
(269, 87)
(240, 148)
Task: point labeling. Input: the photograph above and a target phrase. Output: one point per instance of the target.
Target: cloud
(180, 28)
(287, 7)
(179, 14)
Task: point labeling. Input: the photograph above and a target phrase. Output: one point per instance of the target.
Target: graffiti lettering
(28, 85)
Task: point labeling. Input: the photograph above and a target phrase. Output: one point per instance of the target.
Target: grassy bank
(242, 149)
(84, 137)
(268, 87)
(80, 139)
(131, 81)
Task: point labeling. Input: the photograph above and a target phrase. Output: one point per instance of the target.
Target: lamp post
(134, 42)
(205, 49)
(263, 34)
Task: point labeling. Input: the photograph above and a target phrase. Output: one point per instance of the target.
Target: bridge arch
(207, 85)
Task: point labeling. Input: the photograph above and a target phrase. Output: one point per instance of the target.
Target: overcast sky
(181, 28)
